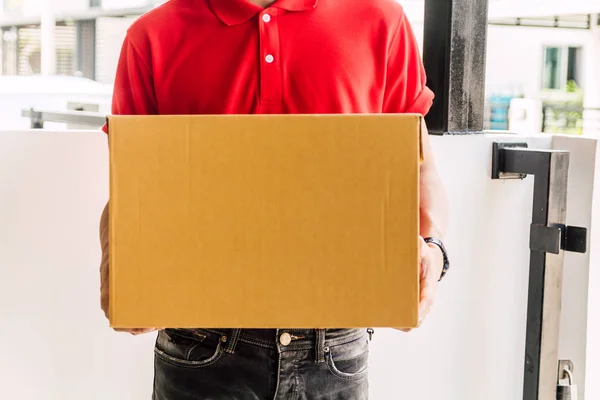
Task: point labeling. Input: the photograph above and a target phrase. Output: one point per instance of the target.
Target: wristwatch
(439, 244)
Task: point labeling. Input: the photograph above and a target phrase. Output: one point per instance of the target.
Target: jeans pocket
(186, 348)
(349, 361)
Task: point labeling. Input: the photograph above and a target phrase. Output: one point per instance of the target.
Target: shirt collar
(234, 12)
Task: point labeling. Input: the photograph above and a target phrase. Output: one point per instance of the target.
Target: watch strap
(441, 246)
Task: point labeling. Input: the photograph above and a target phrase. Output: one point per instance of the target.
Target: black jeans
(261, 364)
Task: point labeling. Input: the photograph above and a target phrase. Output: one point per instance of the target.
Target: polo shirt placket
(271, 80)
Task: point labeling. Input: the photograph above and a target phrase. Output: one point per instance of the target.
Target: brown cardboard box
(306, 221)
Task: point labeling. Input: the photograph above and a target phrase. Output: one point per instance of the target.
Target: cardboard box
(305, 221)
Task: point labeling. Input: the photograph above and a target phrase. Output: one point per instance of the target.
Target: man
(288, 56)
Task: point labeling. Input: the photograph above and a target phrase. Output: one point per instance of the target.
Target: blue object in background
(499, 106)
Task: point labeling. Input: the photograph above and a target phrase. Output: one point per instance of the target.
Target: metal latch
(553, 239)
(513, 160)
(498, 167)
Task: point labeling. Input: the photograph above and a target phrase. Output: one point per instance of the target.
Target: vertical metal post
(454, 52)
(544, 115)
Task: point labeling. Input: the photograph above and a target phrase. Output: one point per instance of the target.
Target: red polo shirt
(296, 56)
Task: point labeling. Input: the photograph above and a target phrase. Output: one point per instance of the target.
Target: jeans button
(285, 339)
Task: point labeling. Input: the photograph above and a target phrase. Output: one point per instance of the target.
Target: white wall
(52, 189)
(58, 345)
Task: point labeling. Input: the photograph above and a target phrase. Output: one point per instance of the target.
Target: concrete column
(48, 39)
(591, 115)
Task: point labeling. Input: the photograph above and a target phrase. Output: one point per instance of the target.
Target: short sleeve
(406, 91)
(134, 87)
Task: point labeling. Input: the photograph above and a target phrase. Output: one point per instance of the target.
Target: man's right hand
(104, 261)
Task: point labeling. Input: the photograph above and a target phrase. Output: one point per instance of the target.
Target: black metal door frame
(454, 51)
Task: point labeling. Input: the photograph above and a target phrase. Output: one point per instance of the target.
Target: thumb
(422, 248)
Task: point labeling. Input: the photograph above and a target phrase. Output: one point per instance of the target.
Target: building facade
(66, 37)
(545, 51)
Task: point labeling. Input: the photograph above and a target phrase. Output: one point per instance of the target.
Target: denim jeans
(261, 364)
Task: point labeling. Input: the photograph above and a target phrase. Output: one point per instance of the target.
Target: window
(574, 64)
(9, 60)
(552, 67)
(561, 66)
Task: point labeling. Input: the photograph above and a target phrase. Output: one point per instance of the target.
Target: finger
(142, 331)
(427, 299)
(135, 331)
(423, 259)
(146, 330)
(405, 330)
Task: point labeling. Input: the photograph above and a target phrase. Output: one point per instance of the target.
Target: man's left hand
(431, 262)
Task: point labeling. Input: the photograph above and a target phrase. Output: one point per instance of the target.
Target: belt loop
(320, 346)
(234, 337)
